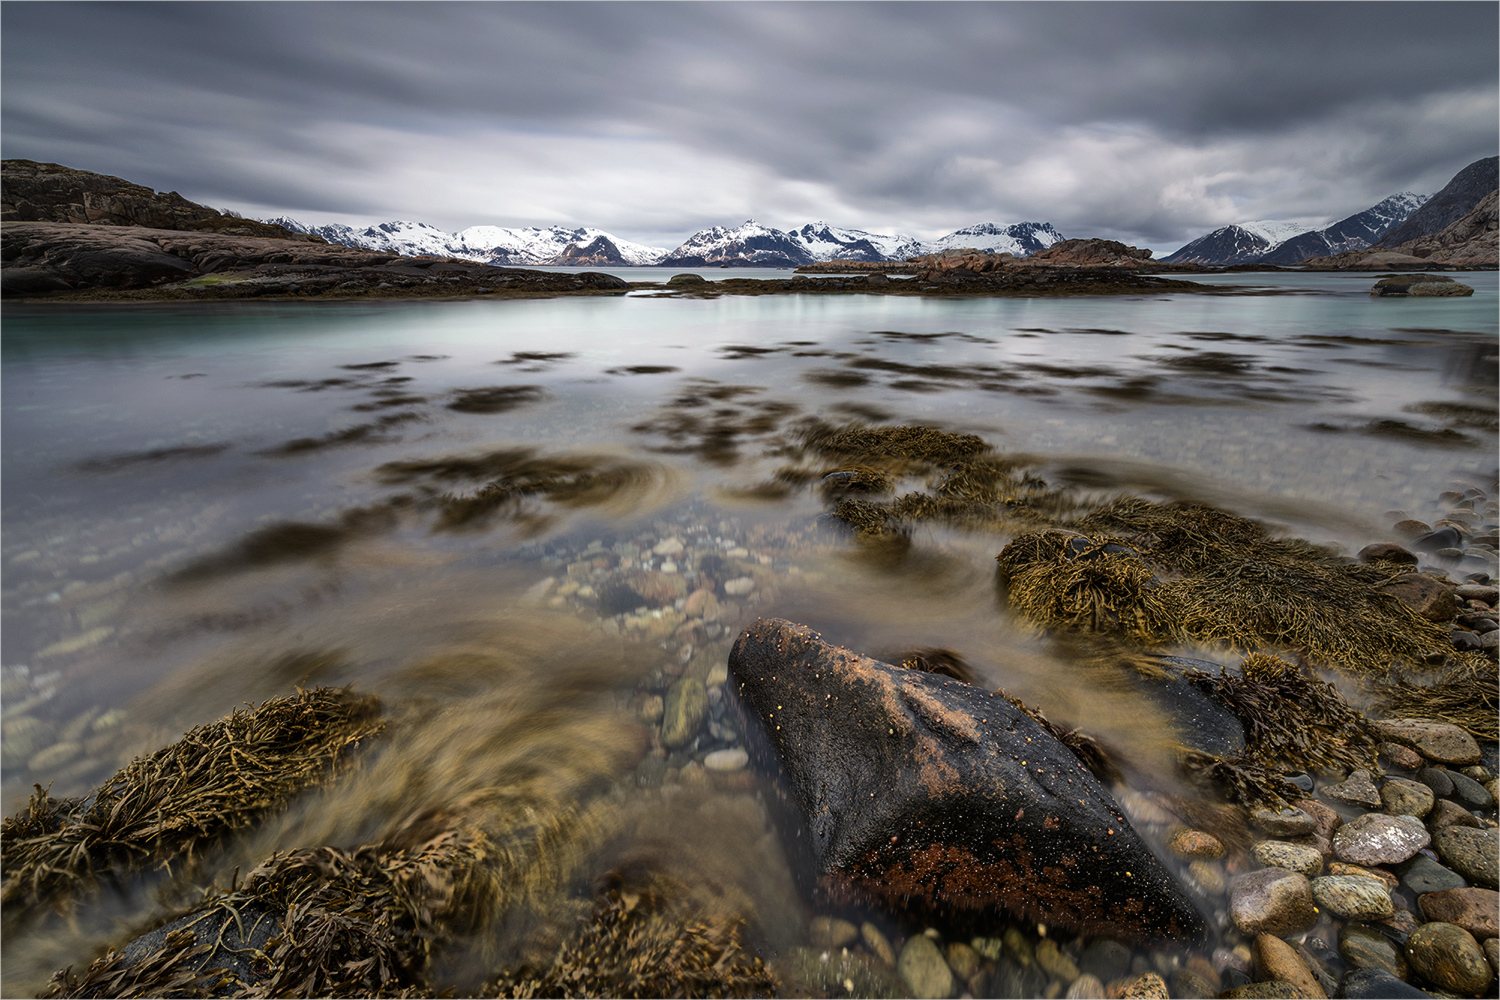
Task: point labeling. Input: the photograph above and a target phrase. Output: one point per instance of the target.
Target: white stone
(726, 760)
(739, 585)
(668, 547)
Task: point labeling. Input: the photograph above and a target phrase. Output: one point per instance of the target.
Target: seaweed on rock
(644, 942)
(1466, 694)
(1292, 719)
(219, 778)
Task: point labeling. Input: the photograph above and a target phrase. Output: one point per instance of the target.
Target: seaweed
(1466, 694)
(642, 370)
(173, 970)
(1202, 575)
(1292, 720)
(643, 942)
(182, 799)
(495, 398)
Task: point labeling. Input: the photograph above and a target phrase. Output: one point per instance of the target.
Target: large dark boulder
(921, 791)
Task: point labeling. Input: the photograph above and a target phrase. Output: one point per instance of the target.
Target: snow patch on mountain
(751, 243)
(1274, 232)
(532, 245)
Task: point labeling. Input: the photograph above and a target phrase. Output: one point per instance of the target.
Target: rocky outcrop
(1419, 286)
(1472, 241)
(48, 259)
(50, 192)
(1457, 199)
(921, 791)
(1091, 253)
(600, 251)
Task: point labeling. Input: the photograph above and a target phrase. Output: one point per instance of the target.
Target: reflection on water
(205, 507)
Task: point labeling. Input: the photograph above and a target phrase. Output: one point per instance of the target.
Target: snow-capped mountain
(1021, 239)
(1357, 232)
(489, 244)
(1229, 245)
(753, 244)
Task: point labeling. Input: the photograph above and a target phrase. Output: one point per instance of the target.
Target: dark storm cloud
(1147, 120)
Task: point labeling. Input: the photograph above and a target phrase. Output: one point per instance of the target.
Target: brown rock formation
(1091, 253)
(50, 192)
(1471, 242)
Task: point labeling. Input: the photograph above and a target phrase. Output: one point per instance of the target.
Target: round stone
(1196, 844)
(1379, 839)
(1475, 910)
(1439, 741)
(1356, 790)
(739, 585)
(963, 960)
(682, 714)
(1364, 947)
(1053, 962)
(1448, 956)
(1210, 876)
(1287, 822)
(1438, 779)
(1401, 797)
(1085, 986)
(1275, 959)
(1377, 984)
(1271, 901)
(924, 969)
(1353, 897)
(1474, 854)
(1146, 987)
(1293, 857)
(1469, 793)
(1399, 756)
(1447, 813)
(726, 760)
(1422, 874)
(831, 932)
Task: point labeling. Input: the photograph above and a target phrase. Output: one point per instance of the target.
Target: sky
(1148, 123)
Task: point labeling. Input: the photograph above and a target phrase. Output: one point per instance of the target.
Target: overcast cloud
(1151, 123)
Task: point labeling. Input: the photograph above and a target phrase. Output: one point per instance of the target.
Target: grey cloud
(829, 95)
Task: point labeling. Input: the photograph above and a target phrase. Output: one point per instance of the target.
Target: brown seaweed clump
(1189, 573)
(1292, 720)
(968, 485)
(644, 943)
(170, 805)
(1466, 694)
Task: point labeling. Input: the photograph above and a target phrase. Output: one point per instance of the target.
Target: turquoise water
(139, 441)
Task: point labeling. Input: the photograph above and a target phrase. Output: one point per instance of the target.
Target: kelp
(174, 803)
(1189, 573)
(1466, 694)
(1292, 720)
(173, 970)
(644, 942)
(1241, 780)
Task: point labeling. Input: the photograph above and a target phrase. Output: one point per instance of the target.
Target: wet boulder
(921, 791)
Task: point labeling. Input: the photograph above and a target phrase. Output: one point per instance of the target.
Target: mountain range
(1286, 243)
(747, 245)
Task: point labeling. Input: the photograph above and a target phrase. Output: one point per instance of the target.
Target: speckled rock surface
(1271, 901)
(1448, 956)
(1353, 897)
(1474, 854)
(1379, 839)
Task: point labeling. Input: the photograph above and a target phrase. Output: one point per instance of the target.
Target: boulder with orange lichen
(921, 792)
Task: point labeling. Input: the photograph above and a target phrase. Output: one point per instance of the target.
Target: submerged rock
(920, 791)
(1415, 285)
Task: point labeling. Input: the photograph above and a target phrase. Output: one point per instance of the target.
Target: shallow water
(154, 457)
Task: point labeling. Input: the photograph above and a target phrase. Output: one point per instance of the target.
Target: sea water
(143, 441)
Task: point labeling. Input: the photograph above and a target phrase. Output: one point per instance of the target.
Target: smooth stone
(1397, 755)
(668, 547)
(1439, 779)
(1356, 790)
(1401, 797)
(1271, 901)
(1208, 875)
(1054, 963)
(1289, 822)
(1491, 948)
(1380, 875)
(1469, 793)
(1149, 986)
(1448, 956)
(1446, 812)
(1474, 854)
(1386, 552)
(1422, 874)
(1271, 989)
(1424, 595)
(1473, 909)
(1353, 897)
(1105, 959)
(1085, 987)
(686, 704)
(726, 760)
(831, 932)
(1306, 861)
(1275, 959)
(1364, 947)
(1488, 593)
(702, 603)
(1324, 816)
(1196, 844)
(924, 969)
(879, 946)
(1442, 538)
(963, 960)
(1439, 741)
(1378, 839)
(1377, 984)
(989, 810)
(739, 585)
(1465, 642)
(1188, 985)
